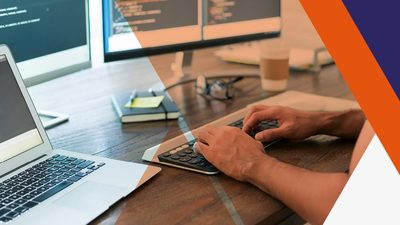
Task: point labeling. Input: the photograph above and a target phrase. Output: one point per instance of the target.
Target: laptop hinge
(19, 167)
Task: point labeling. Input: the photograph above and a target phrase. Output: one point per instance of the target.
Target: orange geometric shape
(360, 70)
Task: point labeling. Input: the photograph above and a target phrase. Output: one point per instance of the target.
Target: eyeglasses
(217, 89)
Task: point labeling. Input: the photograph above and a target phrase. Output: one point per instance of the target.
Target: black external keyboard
(185, 156)
(34, 185)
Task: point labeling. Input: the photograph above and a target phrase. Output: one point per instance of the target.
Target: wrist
(326, 122)
(256, 170)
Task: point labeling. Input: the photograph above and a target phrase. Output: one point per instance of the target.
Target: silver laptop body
(39, 185)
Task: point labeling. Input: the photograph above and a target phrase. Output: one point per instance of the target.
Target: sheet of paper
(145, 102)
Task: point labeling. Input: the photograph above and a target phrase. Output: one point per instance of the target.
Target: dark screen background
(62, 26)
(174, 13)
(15, 118)
(228, 11)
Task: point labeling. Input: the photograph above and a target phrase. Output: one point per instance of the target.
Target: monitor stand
(182, 70)
(183, 64)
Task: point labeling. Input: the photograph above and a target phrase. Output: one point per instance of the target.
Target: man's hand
(293, 124)
(231, 150)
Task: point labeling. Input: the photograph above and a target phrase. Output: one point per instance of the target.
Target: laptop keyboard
(34, 185)
(185, 156)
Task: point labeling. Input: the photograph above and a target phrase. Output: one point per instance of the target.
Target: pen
(132, 96)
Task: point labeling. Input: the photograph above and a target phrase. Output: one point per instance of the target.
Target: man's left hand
(231, 150)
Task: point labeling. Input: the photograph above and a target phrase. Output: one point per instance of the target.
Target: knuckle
(253, 108)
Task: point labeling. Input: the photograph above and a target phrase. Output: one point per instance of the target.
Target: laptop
(39, 185)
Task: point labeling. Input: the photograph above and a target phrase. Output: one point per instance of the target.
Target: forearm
(346, 124)
(310, 194)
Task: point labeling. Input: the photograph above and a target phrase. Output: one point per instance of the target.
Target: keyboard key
(167, 154)
(175, 157)
(20, 201)
(91, 167)
(36, 193)
(20, 210)
(55, 156)
(74, 179)
(85, 164)
(36, 185)
(185, 159)
(5, 219)
(80, 174)
(77, 162)
(7, 201)
(3, 196)
(64, 177)
(188, 151)
(22, 192)
(30, 204)
(194, 155)
(9, 192)
(4, 211)
(28, 197)
(71, 159)
(68, 167)
(48, 185)
(28, 189)
(202, 164)
(69, 174)
(53, 191)
(14, 197)
(61, 158)
(182, 154)
(12, 214)
(194, 161)
(12, 206)
(75, 170)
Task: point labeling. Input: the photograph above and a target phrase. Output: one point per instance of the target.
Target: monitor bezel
(64, 71)
(135, 53)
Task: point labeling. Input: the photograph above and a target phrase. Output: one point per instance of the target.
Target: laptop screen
(18, 132)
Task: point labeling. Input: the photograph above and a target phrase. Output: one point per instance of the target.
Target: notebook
(166, 110)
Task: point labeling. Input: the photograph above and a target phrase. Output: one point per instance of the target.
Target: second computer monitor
(143, 27)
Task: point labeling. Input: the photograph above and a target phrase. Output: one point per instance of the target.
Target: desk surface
(174, 195)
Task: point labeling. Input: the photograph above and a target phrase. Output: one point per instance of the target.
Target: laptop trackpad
(91, 196)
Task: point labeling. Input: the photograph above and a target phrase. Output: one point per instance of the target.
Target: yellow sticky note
(145, 102)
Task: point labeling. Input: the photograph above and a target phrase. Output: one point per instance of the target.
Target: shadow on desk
(183, 197)
(176, 196)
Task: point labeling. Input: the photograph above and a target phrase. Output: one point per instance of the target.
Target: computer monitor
(134, 28)
(47, 38)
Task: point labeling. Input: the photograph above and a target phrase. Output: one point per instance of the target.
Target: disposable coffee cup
(274, 65)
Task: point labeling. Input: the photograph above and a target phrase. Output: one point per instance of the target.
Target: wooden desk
(176, 196)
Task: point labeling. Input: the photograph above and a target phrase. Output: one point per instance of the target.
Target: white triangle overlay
(372, 194)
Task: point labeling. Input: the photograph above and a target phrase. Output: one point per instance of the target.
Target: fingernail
(195, 147)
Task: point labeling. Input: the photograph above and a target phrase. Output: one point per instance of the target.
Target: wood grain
(176, 196)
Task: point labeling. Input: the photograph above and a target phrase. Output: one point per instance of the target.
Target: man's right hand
(293, 124)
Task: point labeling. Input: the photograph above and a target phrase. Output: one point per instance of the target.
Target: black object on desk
(185, 155)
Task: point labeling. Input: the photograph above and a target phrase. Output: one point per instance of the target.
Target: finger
(205, 150)
(271, 134)
(252, 110)
(252, 121)
(205, 137)
(257, 117)
(213, 130)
